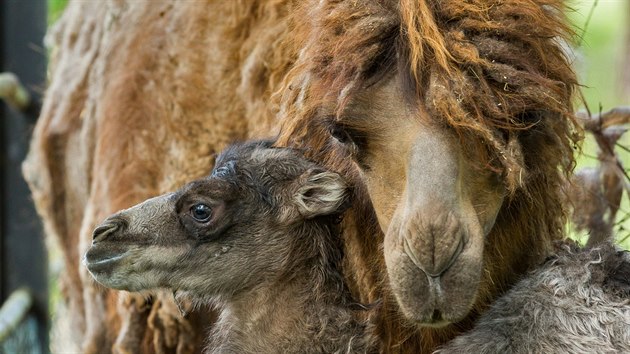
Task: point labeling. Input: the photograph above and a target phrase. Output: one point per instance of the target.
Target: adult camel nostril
(449, 261)
(107, 228)
(434, 260)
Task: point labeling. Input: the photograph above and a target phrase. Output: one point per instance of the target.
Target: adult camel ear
(321, 192)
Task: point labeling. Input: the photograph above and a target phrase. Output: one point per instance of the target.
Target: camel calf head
(224, 234)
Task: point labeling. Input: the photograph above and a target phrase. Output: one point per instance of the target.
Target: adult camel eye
(340, 133)
(201, 212)
(353, 140)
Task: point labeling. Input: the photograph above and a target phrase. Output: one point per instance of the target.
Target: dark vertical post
(23, 260)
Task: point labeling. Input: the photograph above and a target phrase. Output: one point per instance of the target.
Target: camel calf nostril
(105, 229)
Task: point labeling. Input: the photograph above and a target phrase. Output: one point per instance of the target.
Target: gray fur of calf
(578, 301)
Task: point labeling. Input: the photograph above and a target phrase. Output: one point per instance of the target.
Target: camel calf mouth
(100, 261)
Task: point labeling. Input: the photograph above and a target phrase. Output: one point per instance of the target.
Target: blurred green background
(55, 7)
(601, 56)
(602, 48)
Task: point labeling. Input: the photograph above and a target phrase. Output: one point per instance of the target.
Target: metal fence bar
(14, 311)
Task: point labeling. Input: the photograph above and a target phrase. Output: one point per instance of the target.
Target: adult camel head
(434, 202)
(455, 119)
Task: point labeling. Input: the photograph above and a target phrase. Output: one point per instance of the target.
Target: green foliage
(55, 8)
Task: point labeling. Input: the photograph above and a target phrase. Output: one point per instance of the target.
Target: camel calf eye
(201, 212)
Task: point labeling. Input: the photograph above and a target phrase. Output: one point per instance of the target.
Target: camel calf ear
(321, 193)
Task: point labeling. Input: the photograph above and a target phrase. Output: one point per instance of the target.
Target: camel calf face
(223, 234)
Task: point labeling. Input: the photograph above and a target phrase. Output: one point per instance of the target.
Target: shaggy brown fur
(143, 93)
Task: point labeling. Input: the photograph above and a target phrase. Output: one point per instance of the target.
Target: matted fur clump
(577, 302)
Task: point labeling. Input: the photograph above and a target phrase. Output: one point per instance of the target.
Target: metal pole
(22, 253)
(13, 311)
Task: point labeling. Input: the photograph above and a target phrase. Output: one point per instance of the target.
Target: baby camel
(258, 239)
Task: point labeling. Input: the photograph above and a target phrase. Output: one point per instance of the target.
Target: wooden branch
(13, 311)
(609, 180)
(12, 91)
(599, 122)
